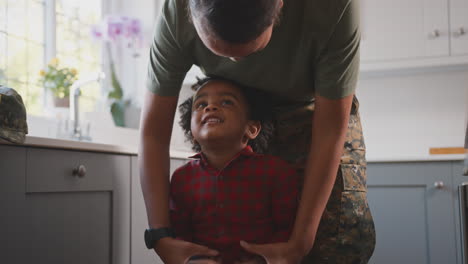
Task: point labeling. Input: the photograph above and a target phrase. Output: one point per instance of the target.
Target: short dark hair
(236, 21)
(260, 109)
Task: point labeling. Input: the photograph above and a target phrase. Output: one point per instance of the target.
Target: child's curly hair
(260, 109)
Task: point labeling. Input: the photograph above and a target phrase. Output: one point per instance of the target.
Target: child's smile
(212, 119)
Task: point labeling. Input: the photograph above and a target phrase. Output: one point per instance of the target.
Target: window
(22, 48)
(75, 47)
(29, 39)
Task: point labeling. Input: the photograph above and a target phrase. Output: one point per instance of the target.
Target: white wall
(405, 115)
(133, 70)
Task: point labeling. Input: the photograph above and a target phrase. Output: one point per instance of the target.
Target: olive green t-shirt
(313, 50)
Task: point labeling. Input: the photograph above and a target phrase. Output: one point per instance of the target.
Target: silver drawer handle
(434, 34)
(460, 32)
(439, 184)
(79, 171)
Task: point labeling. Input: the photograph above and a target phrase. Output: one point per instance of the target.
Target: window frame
(49, 49)
(50, 39)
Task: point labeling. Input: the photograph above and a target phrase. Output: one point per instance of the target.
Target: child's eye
(200, 105)
(227, 102)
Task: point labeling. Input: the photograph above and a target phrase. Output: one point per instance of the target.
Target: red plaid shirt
(253, 198)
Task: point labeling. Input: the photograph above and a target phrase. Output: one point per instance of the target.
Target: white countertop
(133, 150)
(33, 141)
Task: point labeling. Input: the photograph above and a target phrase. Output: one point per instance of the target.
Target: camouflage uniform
(346, 232)
(13, 125)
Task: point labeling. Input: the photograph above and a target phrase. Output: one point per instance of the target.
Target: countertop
(133, 150)
(33, 141)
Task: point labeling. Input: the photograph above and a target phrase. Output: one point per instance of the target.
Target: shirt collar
(247, 151)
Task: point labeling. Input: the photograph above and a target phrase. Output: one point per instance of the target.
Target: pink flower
(119, 30)
(114, 30)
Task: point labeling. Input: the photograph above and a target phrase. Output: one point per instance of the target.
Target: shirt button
(221, 205)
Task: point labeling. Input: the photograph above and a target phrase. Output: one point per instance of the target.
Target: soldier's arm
(156, 127)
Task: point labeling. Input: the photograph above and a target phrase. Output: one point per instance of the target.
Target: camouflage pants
(346, 231)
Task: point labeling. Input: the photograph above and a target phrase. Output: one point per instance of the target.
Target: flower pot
(62, 102)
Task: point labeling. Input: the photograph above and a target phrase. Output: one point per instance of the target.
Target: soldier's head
(234, 28)
(223, 112)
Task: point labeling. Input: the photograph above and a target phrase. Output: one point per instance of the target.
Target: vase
(62, 102)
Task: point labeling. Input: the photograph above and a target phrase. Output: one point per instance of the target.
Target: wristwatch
(153, 235)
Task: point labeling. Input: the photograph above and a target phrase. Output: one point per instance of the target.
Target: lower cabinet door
(461, 220)
(63, 207)
(69, 228)
(413, 213)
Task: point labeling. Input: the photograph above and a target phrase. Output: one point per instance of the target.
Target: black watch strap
(153, 235)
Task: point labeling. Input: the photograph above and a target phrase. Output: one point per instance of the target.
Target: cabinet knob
(79, 171)
(439, 184)
(434, 34)
(460, 32)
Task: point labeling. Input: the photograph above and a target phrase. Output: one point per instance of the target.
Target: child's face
(220, 114)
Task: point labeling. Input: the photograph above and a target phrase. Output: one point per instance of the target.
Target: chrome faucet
(75, 92)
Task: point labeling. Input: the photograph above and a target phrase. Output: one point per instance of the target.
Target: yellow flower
(73, 71)
(54, 62)
(42, 73)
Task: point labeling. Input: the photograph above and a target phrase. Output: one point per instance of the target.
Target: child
(229, 192)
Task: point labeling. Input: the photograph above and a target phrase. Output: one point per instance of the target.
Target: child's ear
(253, 129)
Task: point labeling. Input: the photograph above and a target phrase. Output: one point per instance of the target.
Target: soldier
(306, 54)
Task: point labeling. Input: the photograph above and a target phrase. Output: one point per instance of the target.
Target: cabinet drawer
(51, 170)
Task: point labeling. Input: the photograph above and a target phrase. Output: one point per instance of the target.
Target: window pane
(21, 88)
(3, 15)
(90, 50)
(87, 11)
(16, 59)
(30, 94)
(75, 47)
(35, 61)
(66, 38)
(3, 58)
(36, 21)
(90, 94)
(17, 10)
(34, 104)
(69, 61)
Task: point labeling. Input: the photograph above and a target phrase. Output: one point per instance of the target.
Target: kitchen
(413, 93)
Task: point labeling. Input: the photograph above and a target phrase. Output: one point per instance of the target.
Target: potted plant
(58, 80)
(118, 31)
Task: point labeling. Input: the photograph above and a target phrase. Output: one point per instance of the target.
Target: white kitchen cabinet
(399, 34)
(401, 29)
(459, 26)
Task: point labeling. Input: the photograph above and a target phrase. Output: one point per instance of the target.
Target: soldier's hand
(275, 253)
(174, 251)
(252, 260)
